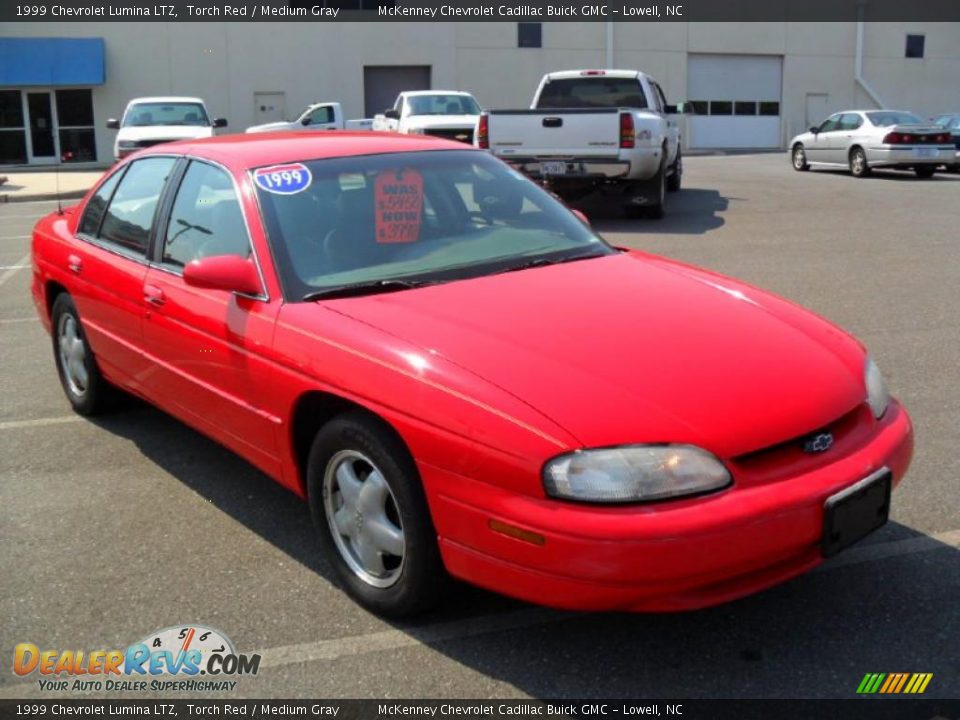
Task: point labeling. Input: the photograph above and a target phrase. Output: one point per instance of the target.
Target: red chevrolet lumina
(462, 379)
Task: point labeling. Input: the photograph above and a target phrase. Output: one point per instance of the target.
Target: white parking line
(14, 237)
(40, 422)
(14, 269)
(10, 321)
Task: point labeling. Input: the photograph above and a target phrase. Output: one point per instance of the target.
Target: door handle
(75, 263)
(153, 295)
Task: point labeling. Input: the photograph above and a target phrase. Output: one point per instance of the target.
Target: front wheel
(799, 156)
(369, 506)
(858, 163)
(80, 376)
(924, 172)
(676, 177)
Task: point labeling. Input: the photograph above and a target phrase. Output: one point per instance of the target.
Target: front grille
(150, 143)
(464, 136)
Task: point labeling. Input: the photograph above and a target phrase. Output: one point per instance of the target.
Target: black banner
(478, 10)
(854, 709)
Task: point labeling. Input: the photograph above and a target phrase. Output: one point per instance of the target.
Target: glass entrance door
(42, 144)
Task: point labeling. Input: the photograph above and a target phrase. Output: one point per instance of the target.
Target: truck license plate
(553, 167)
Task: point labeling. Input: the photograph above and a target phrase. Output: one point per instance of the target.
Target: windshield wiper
(543, 262)
(364, 288)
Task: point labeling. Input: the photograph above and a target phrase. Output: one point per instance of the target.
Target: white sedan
(865, 139)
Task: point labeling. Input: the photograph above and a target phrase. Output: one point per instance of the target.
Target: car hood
(632, 348)
(165, 132)
(270, 127)
(454, 122)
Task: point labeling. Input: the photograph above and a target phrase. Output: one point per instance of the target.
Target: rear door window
(130, 215)
(93, 214)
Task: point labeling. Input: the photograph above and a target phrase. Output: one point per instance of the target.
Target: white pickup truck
(449, 114)
(586, 130)
(149, 121)
(317, 116)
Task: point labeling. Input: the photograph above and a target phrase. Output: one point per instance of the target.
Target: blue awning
(51, 61)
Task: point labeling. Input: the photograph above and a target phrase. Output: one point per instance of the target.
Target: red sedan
(462, 379)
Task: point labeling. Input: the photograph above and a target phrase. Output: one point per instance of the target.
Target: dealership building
(753, 85)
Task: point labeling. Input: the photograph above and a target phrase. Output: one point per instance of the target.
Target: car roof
(417, 93)
(240, 152)
(166, 99)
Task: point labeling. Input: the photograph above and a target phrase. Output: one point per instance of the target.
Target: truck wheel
(369, 506)
(655, 192)
(673, 182)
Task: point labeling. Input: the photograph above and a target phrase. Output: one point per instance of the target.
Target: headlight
(634, 473)
(416, 131)
(127, 143)
(877, 395)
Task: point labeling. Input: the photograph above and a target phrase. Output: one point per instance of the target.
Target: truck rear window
(592, 92)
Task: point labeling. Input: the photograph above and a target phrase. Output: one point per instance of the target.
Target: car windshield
(161, 113)
(886, 119)
(381, 222)
(442, 105)
(592, 92)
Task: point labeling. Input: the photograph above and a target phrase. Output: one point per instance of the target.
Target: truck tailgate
(554, 133)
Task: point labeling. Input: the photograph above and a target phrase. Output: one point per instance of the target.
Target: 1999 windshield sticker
(283, 179)
(185, 658)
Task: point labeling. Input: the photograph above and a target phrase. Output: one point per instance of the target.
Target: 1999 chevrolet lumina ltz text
(463, 379)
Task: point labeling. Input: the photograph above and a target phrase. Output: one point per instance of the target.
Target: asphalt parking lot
(116, 527)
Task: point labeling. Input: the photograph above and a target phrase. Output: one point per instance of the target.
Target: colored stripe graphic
(893, 683)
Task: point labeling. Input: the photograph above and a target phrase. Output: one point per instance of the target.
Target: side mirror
(392, 114)
(219, 122)
(581, 216)
(681, 108)
(814, 129)
(113, 124)
(305, 121)
(223, 272)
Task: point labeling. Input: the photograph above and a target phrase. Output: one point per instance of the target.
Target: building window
(13, 139)
(744, 108)
(529, 35)
(915, 45)
(769, 108)
(700, 107)
(75, 124)
(721, 107)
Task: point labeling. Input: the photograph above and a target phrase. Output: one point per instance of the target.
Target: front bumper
(910, 156)
(676, 555)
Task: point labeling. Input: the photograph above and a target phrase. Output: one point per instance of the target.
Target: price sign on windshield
(399, 205)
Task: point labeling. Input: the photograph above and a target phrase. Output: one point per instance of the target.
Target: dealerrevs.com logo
(190, 658)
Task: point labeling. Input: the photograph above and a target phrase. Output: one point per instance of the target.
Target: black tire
(420, 580)
(798, 158)
(655, 188)
(92, 395)
(858, 163)
(676, 175)
(924, 172)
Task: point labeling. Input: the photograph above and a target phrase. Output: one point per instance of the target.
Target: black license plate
(855, 512)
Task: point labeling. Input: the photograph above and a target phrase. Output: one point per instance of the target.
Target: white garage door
(737, 100)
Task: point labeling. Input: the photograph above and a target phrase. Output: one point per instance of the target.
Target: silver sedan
(866, 139)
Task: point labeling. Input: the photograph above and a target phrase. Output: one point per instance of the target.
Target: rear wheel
(653, 192)
(370, 509)
(799, 158)
(924, 172)
(858, 163)
(80, 377)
